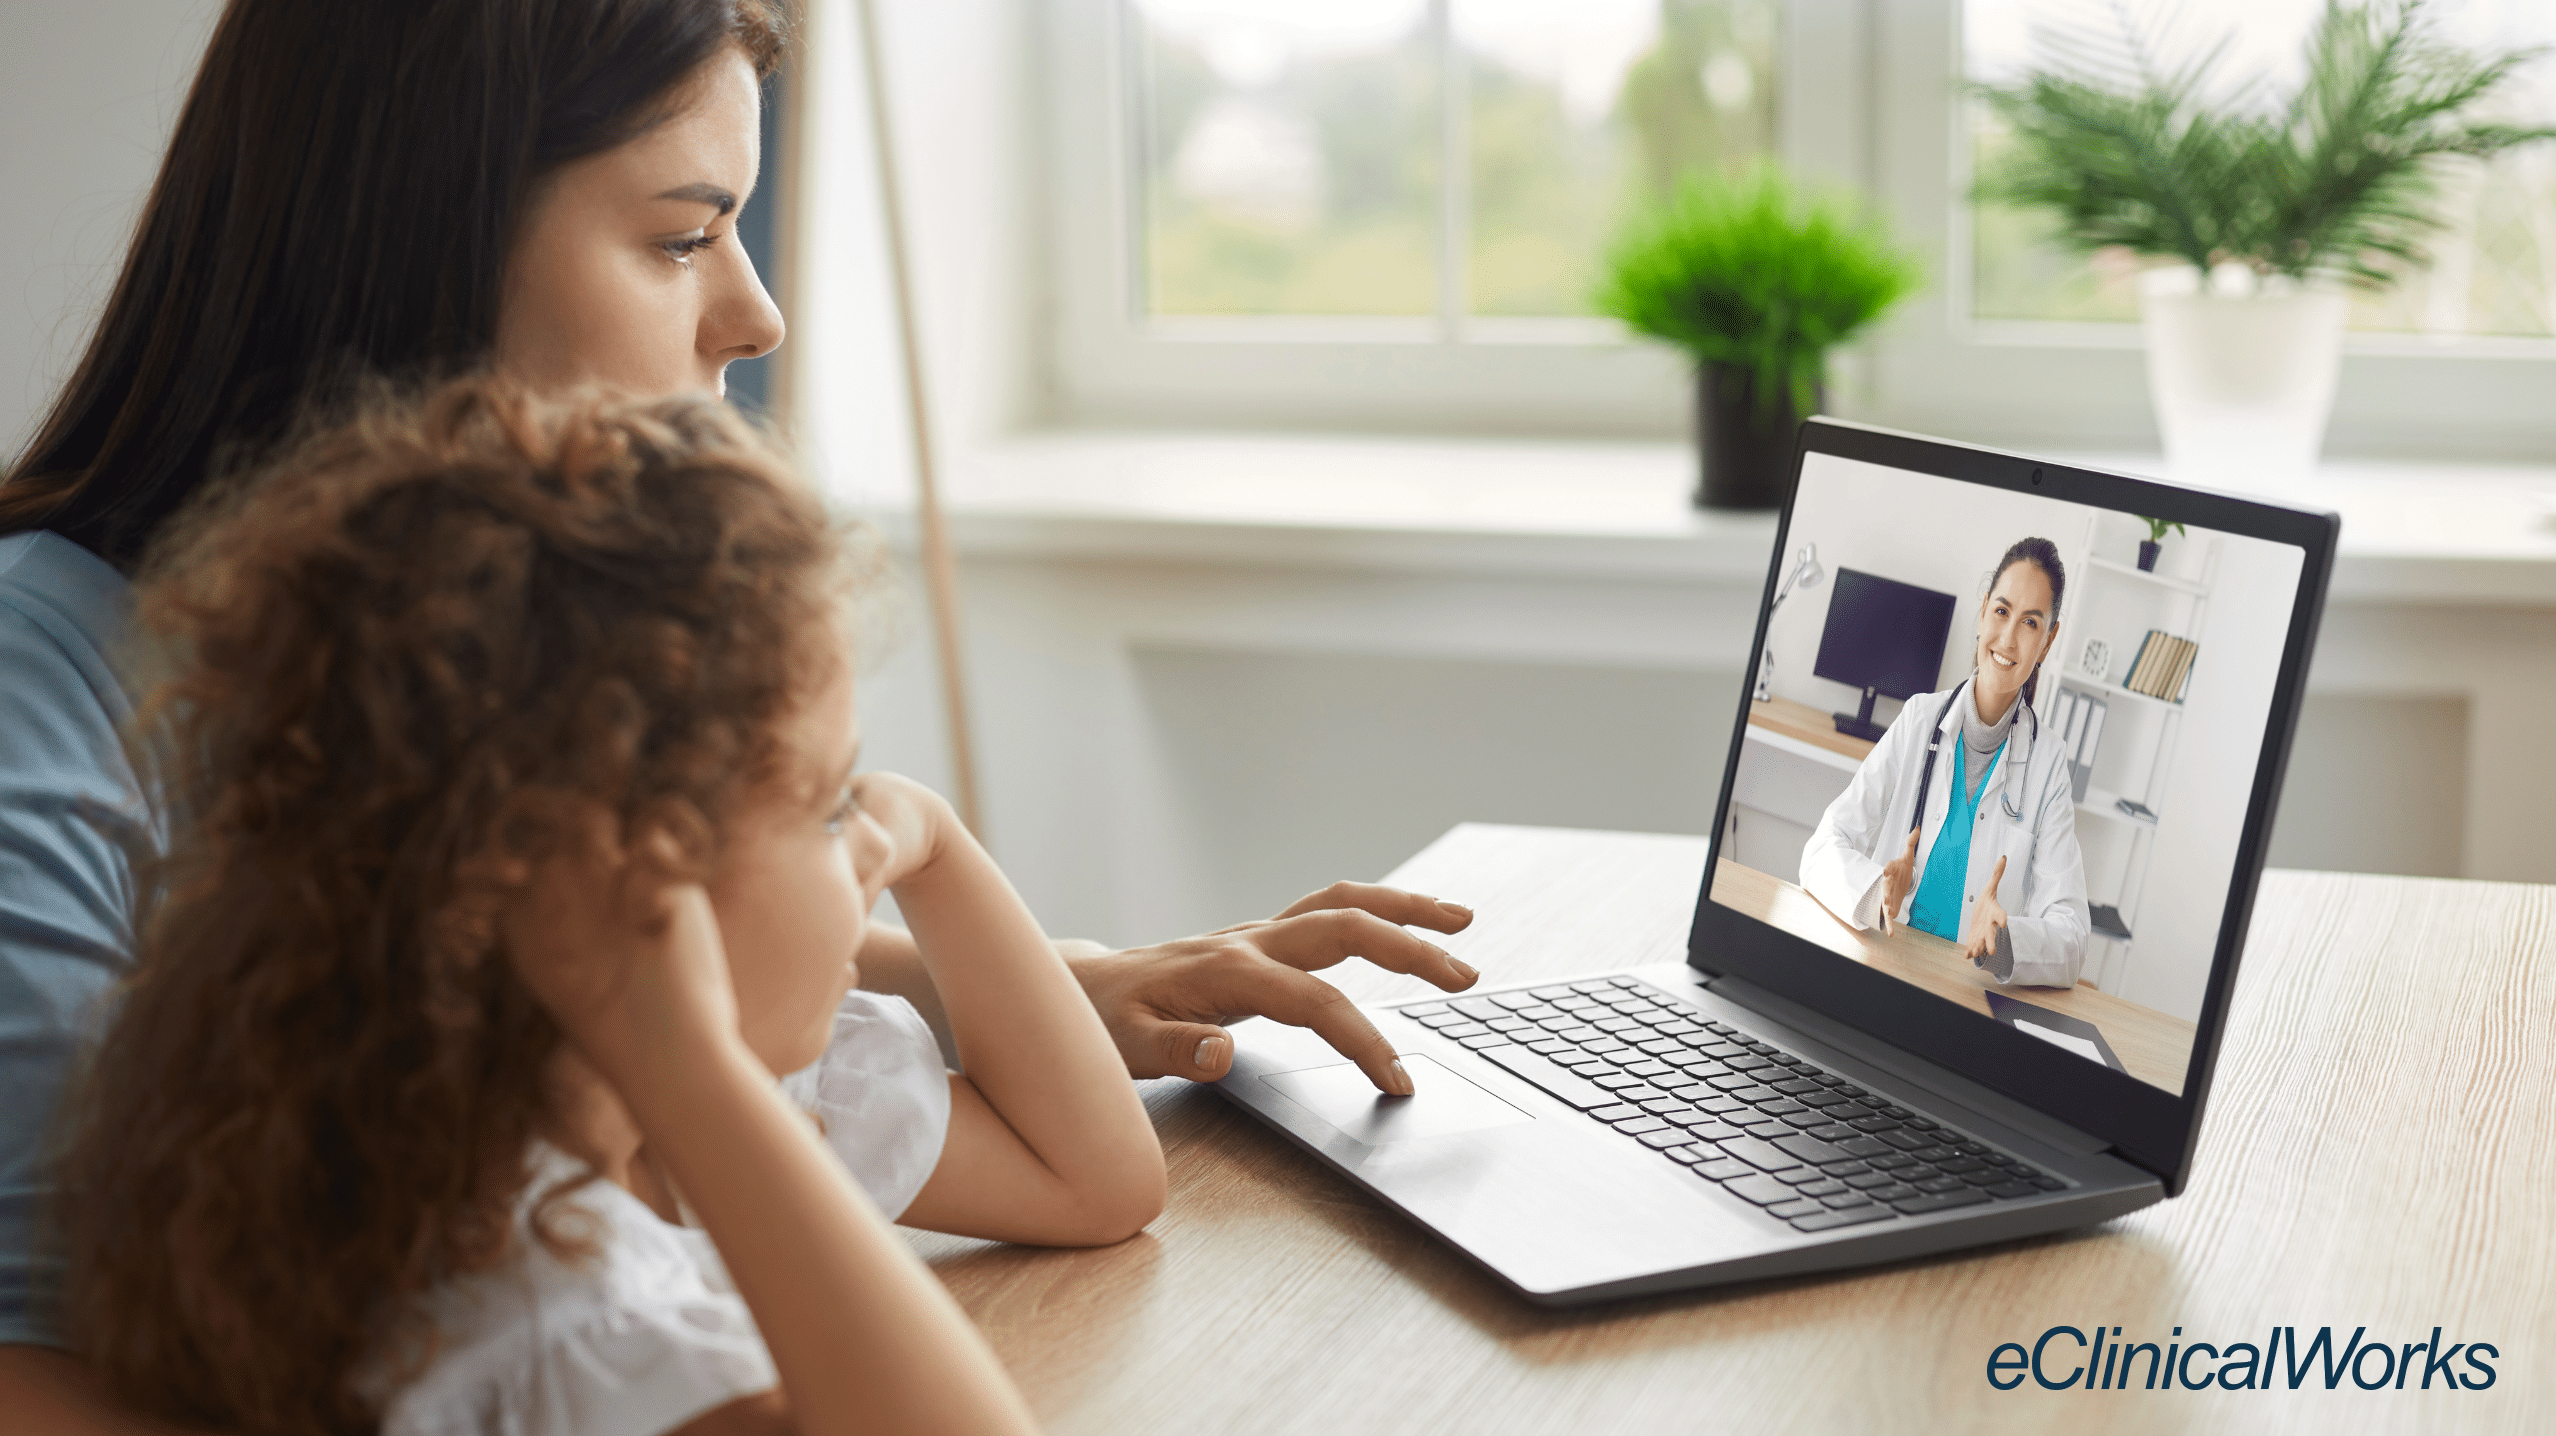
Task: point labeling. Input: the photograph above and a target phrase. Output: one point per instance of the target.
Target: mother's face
(628, 270)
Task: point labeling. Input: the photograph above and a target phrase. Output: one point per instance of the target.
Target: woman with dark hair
(1961, 809)
(409, 188)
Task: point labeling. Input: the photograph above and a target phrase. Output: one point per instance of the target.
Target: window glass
(1293, 151)
(1574, 110)
(1290, 156)
(2493, 269)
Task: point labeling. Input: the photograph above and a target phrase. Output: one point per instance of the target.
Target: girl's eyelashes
(845, 806)
(682, 250)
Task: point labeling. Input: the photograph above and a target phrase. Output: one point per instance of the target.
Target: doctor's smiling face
(2018, 622)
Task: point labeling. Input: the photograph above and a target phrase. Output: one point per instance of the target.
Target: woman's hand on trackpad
(1166, 1005)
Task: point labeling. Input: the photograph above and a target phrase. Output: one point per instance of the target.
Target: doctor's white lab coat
(2027, 816)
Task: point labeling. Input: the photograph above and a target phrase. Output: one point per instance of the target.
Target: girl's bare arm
(865, 1339)
(1048, 1141)
(864, 1336)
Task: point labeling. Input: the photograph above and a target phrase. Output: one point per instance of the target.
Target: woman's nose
(743, 323)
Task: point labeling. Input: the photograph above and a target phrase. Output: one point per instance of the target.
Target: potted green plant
(2154, 543)
(1756, 280)
(2258, 208)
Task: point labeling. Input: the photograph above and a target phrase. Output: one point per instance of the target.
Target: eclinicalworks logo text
(2065, 1356)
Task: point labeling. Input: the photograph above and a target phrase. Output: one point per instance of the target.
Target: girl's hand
(625, 956)
(898, 827)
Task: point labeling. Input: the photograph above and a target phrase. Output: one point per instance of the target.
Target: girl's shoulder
(638, 1332)
(642, 1330)
(881, 1097)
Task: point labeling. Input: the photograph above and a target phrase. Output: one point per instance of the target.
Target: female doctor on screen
(1990, 859)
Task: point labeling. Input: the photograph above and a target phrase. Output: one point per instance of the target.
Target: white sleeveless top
(649, 1332)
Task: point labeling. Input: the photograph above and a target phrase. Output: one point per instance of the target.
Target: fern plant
(2334, 181)
(1748, 271)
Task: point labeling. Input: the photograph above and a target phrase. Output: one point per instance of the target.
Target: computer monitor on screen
(1885, 637)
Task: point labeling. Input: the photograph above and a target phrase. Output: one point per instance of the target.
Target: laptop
(1804, 1093)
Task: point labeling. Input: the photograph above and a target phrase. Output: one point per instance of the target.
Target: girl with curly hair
(521, 847)
(414, 189)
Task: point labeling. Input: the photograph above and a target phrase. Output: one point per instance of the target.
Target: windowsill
(2413, 531)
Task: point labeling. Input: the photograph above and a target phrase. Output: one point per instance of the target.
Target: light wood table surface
(1800, 720)
(2380, 1151)
(2157, 1048)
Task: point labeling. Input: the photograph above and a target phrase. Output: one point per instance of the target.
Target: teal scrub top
(1938, 905)
(72, 826)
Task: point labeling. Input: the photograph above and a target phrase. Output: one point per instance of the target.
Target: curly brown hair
(401, 659)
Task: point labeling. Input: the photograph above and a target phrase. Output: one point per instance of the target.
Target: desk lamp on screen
(1885, 637)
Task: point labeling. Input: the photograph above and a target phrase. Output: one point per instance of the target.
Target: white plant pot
(2242, 382)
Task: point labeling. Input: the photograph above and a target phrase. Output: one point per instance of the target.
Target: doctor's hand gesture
(1986, 920)
(1898, 876)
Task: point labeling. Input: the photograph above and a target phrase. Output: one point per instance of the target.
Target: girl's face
(628, 270)
(2015, 629)
(787, 888)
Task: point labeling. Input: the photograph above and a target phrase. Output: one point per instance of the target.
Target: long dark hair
(2044, 555)
(338, 200)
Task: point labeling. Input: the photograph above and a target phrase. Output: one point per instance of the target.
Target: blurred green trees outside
(1317, 190)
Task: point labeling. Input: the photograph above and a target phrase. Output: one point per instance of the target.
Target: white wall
(88, 94)
(2201, 805)
(1930, 532)
(959, 86)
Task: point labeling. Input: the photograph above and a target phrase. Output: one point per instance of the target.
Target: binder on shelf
(2081, 745)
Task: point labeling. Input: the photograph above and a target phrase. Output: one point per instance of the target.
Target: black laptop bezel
(2145, 1124)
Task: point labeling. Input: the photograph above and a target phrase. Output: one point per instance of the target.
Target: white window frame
(2080, 386)
(1868, 96)
(1112, 365)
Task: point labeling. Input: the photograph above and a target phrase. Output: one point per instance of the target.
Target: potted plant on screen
(2258, 209)
(2154, 543)
(1756, 280)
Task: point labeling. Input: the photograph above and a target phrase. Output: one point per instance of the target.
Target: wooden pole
(940, 570)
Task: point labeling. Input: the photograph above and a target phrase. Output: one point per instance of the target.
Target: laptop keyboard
(1774, 1128)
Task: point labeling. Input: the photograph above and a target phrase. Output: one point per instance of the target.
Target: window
(1452, 160)
(2031, 357)
(1310, 199)
(1383, 214)
(2493, 274)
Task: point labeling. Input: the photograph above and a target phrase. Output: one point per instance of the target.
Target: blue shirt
(71, 822)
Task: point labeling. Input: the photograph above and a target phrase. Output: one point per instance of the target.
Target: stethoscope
(1935, 740)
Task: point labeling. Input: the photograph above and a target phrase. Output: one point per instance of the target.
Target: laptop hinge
(1906, 1066)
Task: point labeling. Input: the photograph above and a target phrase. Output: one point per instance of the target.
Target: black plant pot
(2148, 551)
(1746, 451)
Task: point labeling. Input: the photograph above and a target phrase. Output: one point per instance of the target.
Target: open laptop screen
(2086, 749)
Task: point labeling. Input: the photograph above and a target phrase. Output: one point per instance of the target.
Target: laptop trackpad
(1443, 1103)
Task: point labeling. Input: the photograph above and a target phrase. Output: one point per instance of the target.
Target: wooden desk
(1800, 720)
(2379, 1151)
(2155, 1047)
